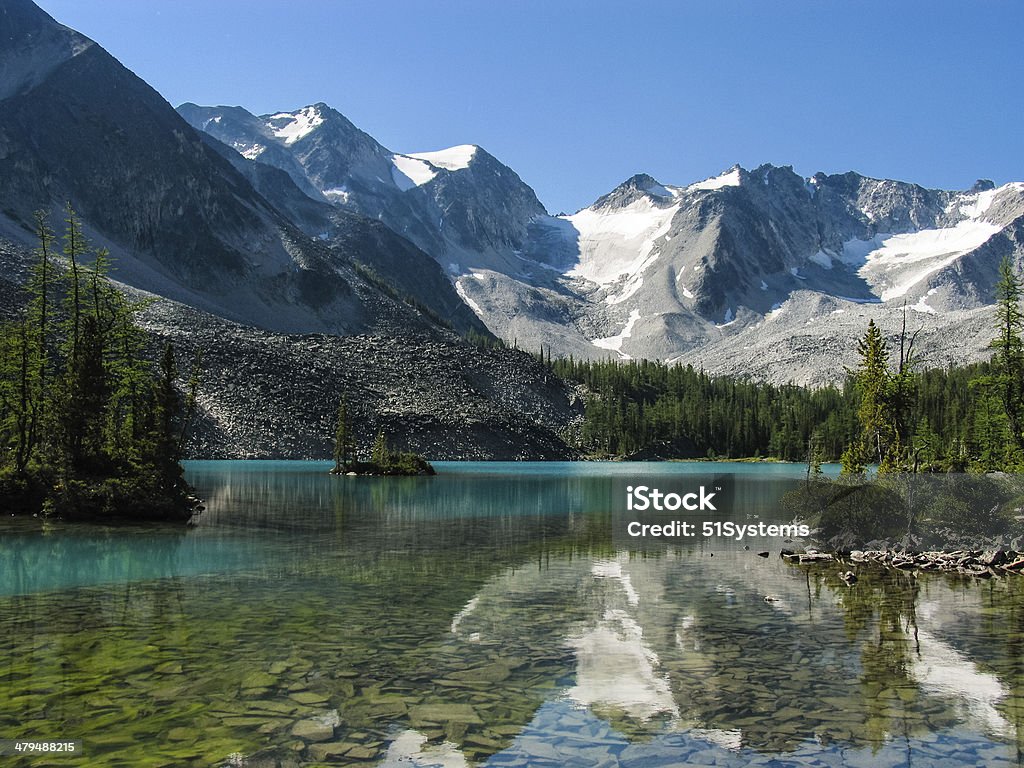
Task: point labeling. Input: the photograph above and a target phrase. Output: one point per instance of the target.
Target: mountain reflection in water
(491, 616)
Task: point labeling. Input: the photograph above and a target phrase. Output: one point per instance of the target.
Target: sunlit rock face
(768, 272)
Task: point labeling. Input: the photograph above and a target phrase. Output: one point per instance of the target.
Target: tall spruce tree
(879, 438)
(167, 411)
(17, 393)
(343, 439)
(88, 393)
(1007, 378)
(379, 454)
(41, 283)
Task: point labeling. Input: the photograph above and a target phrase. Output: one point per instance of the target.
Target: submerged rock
(318, 728)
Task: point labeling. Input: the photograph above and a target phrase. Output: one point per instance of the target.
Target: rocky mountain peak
(290, 127)
(460, 204)
(733, 177)
(637, 187)
(662, 272)
(32, 45)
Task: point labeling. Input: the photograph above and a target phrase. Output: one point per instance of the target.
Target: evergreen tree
(86, 425)
(87, 388)
(41, 282)
(167, 413)
(903, 397)
(926, 445)
(379, 454)
(989, 432)
(343, 439)
(74, 249)
(814, 452)
(879, 439)
(16, 392)
(1007, 378)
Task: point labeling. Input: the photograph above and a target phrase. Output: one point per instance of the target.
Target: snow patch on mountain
(465, 297)
(975, 206)
(618, 241)
(291, 127)
(922, 304)
(730, 178)
(821, 258)
(254, 151)
(337, 195)
(633, 284)
(408, 172)
(660, 190)
(614, 343)
(451, 159)
(899, 262)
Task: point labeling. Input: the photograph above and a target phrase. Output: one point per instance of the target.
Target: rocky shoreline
(981, 563)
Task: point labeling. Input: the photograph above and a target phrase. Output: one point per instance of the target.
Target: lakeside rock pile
(981, 563)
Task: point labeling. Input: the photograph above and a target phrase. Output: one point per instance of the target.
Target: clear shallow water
(493, 615)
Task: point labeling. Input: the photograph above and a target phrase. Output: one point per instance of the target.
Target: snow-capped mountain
(459, 204)
(659, 271)
(677, 272)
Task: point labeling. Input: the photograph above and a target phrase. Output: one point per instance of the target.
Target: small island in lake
(383, 461)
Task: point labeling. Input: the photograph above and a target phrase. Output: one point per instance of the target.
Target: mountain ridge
(178, 214)
(299, 221)
(721, 255)
(663, 271)
(468, 211)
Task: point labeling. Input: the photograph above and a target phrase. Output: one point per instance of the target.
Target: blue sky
(577, 96)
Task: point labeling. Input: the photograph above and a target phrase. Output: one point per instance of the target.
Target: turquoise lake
(494, 615)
